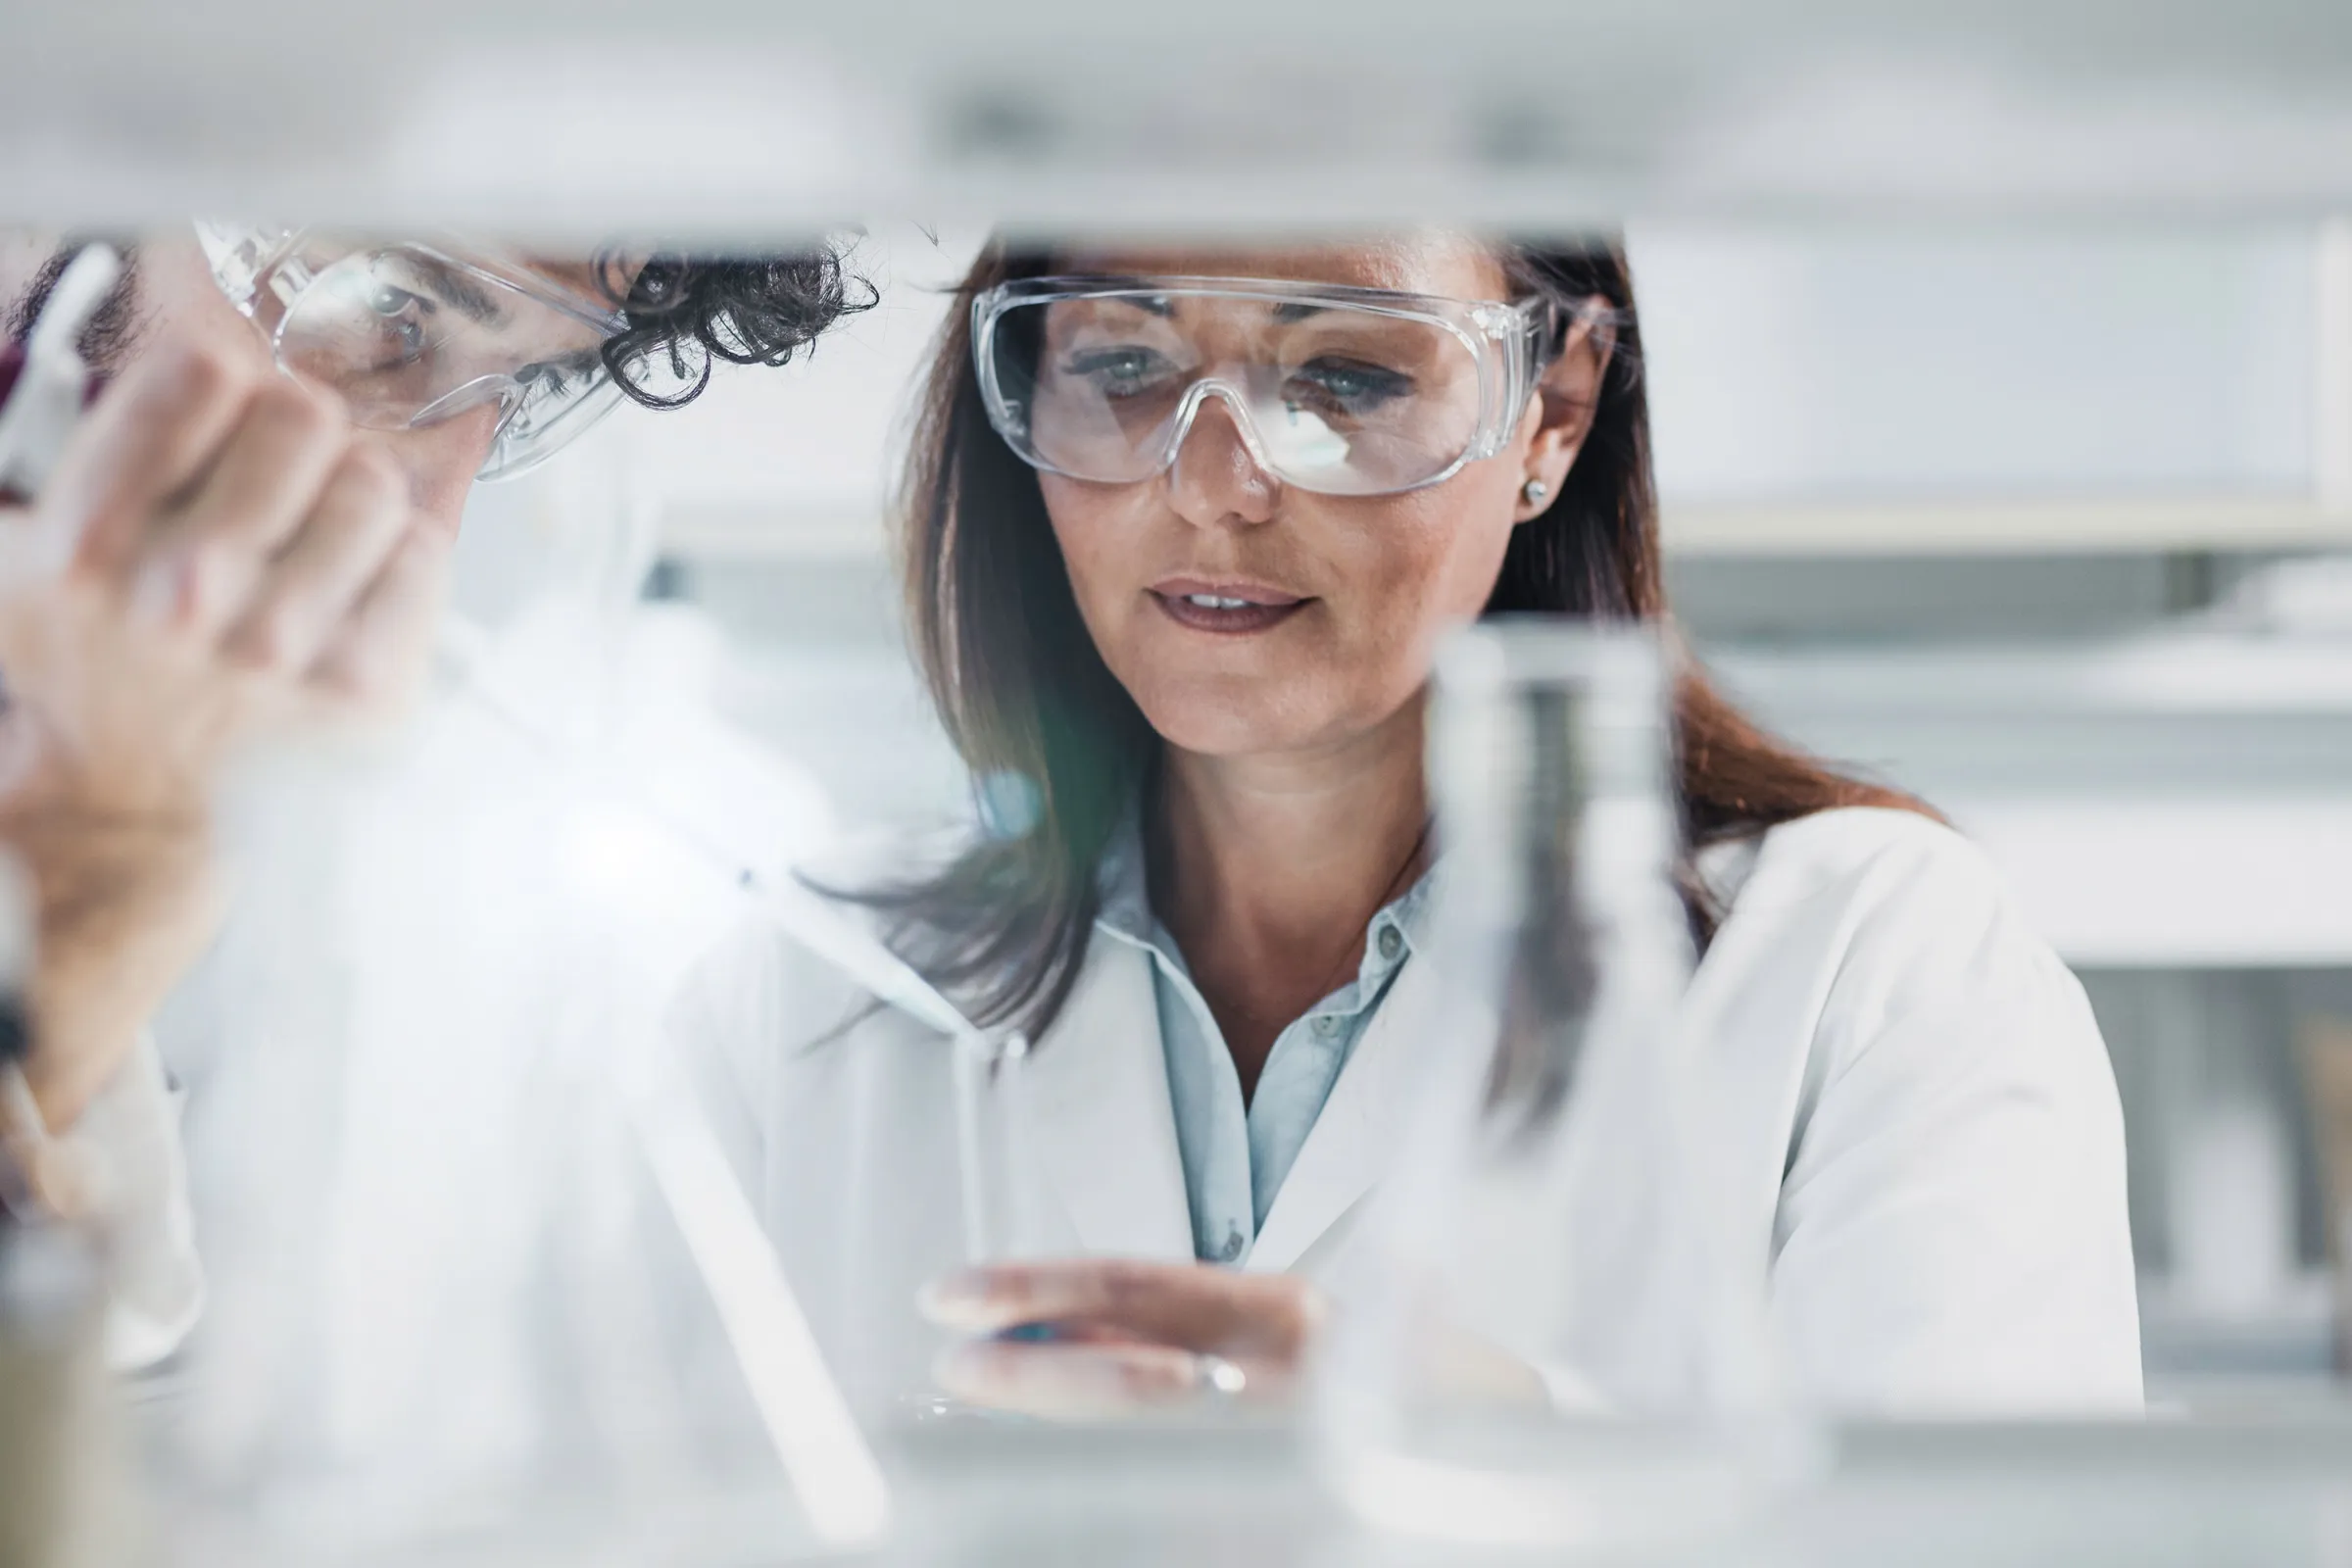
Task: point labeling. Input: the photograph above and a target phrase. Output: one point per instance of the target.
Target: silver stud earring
(1534, 491)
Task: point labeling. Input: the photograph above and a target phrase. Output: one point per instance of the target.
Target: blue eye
(1119, 372)
(401, 316)
(385, 299)
(1344, 386)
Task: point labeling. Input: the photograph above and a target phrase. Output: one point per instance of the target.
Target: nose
(1214, 478)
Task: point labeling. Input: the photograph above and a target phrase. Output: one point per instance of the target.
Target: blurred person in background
(249, 534)
(1182, 527)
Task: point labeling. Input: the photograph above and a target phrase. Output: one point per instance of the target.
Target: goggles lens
(409, 336)
(1336, 395)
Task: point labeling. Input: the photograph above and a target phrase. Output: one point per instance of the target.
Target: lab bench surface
(2272, 1488)
(2256, 1491)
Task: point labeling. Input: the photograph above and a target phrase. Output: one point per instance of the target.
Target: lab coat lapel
(1104, 1122)
(1357, 1134)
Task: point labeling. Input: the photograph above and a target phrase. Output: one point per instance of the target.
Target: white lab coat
(1910, 1105)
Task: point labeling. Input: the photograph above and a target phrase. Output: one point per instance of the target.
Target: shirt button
(1326, 1025)
(1392, 942)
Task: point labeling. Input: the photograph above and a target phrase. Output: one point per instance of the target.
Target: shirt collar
(1125, 907)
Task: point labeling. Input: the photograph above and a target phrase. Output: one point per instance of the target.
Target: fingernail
(964, 1368)
(965, 1299)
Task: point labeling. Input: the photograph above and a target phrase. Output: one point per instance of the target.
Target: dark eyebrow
(113, 334)
(471, 301)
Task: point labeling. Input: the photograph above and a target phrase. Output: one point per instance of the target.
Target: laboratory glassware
(484, 1281)
(487, 1281)
(1337, 390)
(1494, 1370)
(65, 1481)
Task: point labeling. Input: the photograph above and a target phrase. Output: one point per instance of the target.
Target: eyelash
(556, 377)
(1377, 382)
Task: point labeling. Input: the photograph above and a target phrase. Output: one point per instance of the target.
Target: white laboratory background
(2036, 521)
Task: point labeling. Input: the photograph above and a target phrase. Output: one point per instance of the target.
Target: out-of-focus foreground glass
(1551, 1343)
(485, 1283)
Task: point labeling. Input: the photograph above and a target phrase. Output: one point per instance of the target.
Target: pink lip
(1262, 608)
(1256, 594)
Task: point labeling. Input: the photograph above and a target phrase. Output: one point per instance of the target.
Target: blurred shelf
(756, 529)
(2213, 883)
(2179, 674)
(2198, 1350)
(2006, 527)
(2179, 797)
(1255, 111)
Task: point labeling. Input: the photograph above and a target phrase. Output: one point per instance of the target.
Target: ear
(1567, 395)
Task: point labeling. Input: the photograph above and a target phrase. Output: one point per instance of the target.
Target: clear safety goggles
(1340, 391)
(411, 334)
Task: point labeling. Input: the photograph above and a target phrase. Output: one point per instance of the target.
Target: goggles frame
(1511, 345)
(263, 272)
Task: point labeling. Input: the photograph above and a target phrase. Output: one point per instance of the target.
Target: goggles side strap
(1539, 344)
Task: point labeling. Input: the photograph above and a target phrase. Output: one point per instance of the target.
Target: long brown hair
(1029, 703)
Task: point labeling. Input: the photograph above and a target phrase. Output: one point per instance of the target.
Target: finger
(1184, 1304)
(208, 563)
(318, 576)
(379, 655)
(1069, 1381)
(25, 550)
(151, 434)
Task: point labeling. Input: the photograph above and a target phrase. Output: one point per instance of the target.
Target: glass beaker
(1546, 1339)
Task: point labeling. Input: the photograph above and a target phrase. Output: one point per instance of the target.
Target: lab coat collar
(1361, 1126)
(1355, 1136)
(1104, 1122)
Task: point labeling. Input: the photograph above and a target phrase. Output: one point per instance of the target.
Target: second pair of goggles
(411, 334)
(1335, 390)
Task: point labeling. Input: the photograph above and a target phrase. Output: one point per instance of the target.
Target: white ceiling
(752, 117)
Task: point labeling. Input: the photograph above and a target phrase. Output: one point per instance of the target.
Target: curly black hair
(684, 312)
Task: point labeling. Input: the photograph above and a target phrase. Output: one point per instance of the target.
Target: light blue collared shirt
(1235, 1158)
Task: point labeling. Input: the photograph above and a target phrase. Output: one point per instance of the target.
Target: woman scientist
(1202, 623)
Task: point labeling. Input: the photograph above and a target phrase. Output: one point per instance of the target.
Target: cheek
(1431, 559)
(1089, 526)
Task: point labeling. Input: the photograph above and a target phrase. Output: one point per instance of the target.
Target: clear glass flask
(1546, 1339)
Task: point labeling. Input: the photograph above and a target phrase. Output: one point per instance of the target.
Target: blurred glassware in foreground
(63, 1483)
(484, 1288)
(1547, 1343)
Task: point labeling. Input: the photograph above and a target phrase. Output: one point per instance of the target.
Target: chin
(1225, 722)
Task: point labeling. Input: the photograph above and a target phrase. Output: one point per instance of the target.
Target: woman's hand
(218, 554)
(1090, 1338)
